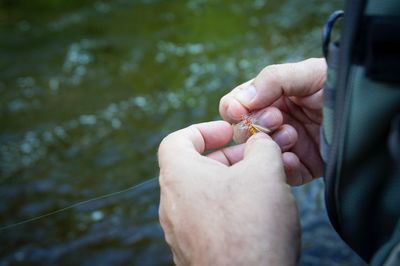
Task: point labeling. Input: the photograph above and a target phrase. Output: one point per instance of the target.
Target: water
(87, 91)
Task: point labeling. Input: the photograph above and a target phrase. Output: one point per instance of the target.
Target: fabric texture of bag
(360, 139)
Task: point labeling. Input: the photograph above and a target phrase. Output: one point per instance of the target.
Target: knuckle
(161, 215)
(162, 179)
(273, 73)
(166, 177)
(165, 144)
(170, 176)
(166, 154)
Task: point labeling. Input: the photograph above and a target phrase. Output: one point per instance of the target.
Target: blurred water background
(89, 88)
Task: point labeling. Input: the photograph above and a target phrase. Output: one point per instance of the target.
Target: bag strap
(351, 25)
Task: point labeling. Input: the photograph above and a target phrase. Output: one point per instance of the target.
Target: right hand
(292, 97)
(229, 207)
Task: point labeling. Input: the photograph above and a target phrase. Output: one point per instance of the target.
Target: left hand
(229, 207)
(289, 96)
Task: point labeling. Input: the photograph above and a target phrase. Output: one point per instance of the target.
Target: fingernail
(283, 139)
(246, 95)
(266, 120)
(232, 112)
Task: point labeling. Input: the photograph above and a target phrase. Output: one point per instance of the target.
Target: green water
(87, 91)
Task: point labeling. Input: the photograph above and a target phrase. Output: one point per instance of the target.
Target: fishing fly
(252, 127)
(247, 127)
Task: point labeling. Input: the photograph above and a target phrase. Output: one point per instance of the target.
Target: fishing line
(77, 204)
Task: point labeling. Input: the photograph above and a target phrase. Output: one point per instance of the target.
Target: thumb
(263, 156)
(296, 79)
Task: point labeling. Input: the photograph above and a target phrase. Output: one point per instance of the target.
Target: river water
(87, 91)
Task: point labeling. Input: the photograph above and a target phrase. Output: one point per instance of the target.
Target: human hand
(291, 98)
(231, 207)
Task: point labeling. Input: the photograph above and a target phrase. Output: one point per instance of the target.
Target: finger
(305, 109)
(307, 150)
(230, 109)
(286, 137)
(313, 102)
(194, 140)
(264, 155)
(296, 173)
(228, 156)
(295, 79)
(269, 117)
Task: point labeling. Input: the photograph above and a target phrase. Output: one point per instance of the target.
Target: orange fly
(253, 128)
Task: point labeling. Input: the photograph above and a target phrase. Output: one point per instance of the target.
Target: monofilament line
(77, 204)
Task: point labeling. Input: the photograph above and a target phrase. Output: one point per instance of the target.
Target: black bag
(360, 138)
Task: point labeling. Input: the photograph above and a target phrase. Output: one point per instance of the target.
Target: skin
(212, 208)
(291, 98)
(234, 206)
